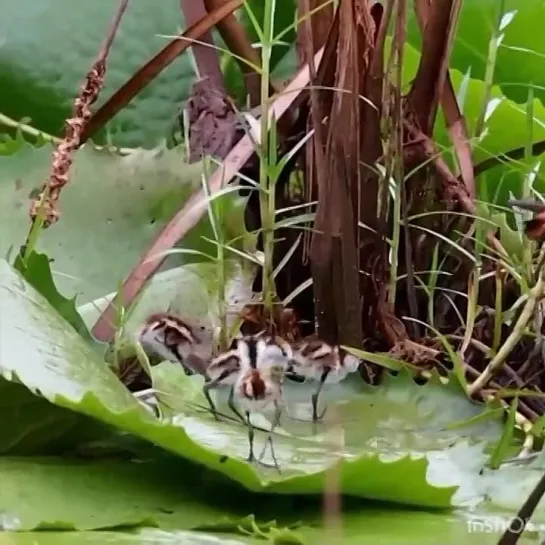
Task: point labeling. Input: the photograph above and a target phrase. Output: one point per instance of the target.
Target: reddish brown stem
(206, 57)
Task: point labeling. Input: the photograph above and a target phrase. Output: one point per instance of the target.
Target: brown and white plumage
(249, 352)
(223, 370)
(263, 362)
(171, 338)
(319, 361)
(257, 390)
(311, 357)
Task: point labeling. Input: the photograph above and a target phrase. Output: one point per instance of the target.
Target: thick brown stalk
(316, 164)
(373, 251)
(319, 23)
(193, 210)
(333, 253)
(206, 56)
(428, 83)
(455, 120)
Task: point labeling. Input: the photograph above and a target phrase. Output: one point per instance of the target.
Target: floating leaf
(111, 210)
(37, 271)
(64, 494)
(49, 356)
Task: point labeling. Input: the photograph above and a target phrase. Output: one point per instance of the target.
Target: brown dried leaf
(214, 127)
(323, 13)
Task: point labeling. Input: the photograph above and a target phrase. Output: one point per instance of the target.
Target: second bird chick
(321, 362)
(173, 339)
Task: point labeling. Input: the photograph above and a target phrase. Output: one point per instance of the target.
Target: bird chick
(316, 360)
(173, 339)
(263, 362)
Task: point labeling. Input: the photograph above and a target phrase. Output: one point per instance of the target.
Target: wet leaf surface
(144, 537)
(48, 356)
(418, 445)
(111, 210)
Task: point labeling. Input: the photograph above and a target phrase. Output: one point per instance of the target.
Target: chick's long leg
(211, 385)
(315, 396)
(275, 423)
(232, 406)
(251, 456)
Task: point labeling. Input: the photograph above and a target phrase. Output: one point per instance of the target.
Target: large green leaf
(395, 527)
(47, 49)
(54, 493)
(144, 537)
(40, 76)
(399, 442)
(36, 269)
(496, 139)
(48, 356)
(516, 69)
(397, 455)
(111, 210)
(63, 493)
(32, 425)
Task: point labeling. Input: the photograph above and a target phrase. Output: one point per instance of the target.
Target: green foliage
(80, 494)
(47, 50)
(40, 74)
(31, 425)
(142, 537)
(111, 210)
(73, 376)
(400, 443)
(521, 55)
(36, 270)
(421, 445)
(506, 113)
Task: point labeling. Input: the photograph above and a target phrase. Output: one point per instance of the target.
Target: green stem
(27, 129)
(267, 193)
(222, 305)
(33, 234)
(489, 71)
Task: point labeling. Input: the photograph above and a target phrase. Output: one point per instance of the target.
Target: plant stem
(27, 129)
(33, 234)
(394, 248)
(529, 245)
(267, 193)
(535, 294)
(518, 524)
(222, 304)
(493, 45)
(473, 297)
(498, 313)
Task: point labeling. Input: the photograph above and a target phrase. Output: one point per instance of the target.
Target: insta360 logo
(489, 525)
